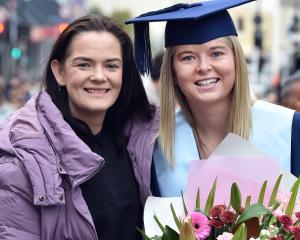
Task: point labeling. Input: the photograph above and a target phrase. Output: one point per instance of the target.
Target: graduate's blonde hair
(240, 119)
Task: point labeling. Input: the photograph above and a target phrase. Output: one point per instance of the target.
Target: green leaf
(210, 199)
(262, 193)
(241, 233)
(175, 217)
(290, 207)
(235, 197)
(170, 234)
(187, 231)
(248, 201)
(197, 208)
(252, 211)
(145, 237)
(158, 223)
(184, 206)
(275, 191)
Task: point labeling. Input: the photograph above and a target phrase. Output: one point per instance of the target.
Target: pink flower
(201, 225)
(278, 212)
(283, 198)
(225, 236)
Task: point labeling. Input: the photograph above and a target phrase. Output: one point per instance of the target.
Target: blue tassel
(143, 56)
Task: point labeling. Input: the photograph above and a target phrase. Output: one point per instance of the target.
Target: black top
(112, 194)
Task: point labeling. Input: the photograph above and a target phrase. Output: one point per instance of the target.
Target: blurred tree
(121, 16)
(95, 10)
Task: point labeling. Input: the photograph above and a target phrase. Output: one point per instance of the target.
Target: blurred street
(268, 30)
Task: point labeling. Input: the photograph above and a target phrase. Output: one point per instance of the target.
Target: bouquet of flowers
(278, 220)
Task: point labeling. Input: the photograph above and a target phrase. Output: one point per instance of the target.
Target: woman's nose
(98, 74)
(204, 65)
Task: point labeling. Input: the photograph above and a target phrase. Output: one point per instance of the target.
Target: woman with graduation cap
(204, 68)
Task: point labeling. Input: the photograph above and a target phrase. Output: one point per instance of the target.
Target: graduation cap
(195, 23)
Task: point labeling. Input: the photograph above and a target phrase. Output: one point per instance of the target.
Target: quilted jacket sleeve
(19, 218)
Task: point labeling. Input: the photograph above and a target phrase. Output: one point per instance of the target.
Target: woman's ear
(57, 70)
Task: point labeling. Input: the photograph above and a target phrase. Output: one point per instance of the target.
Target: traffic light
(4, 31)
(2, 27)
(16, 53)
(62, 26)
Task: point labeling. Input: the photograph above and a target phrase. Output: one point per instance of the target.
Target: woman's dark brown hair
(132, 101)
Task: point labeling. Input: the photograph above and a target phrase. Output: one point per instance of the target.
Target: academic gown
(275, 131)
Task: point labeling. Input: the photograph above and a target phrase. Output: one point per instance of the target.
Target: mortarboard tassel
(143, 56)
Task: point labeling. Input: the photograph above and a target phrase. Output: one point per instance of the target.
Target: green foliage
(197, 207)
(143, 234)
(175, 217)
(291, 204)
(248, 201)
(241, 233)
(235, 197)
(255, 210)
(262, 193)
(158, 223)
(170, 234)
(275, 191)
(210, 199)
(184, 205)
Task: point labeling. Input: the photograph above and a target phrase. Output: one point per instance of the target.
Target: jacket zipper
(76, 186)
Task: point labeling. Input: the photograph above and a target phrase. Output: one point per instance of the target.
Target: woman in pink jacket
(75, 160)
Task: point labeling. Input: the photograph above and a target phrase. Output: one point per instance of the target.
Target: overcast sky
(137, 7)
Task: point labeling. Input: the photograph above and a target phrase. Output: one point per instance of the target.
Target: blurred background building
(268, 30)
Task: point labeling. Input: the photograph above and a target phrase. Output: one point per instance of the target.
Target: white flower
(273, 230)
(265, 233)
(225, 236)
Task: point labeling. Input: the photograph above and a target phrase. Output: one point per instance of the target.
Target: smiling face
(92, 74)
(205, 73)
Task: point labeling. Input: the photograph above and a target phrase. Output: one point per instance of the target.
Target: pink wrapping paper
(248, 172)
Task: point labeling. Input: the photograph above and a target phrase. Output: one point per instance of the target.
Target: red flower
(296, 232)
(216, 211)
(276, 238)
(286, 221)
(228, 217)
(216, 223)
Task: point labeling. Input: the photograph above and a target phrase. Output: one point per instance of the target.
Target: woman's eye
(188, 58)
(83, 65)
(217, 54)
(112, 66)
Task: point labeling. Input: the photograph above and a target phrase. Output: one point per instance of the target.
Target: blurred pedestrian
(75, 160)
(271, 95)
(17, 92)
(5, 107)
(204, 68)
(290, 92)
